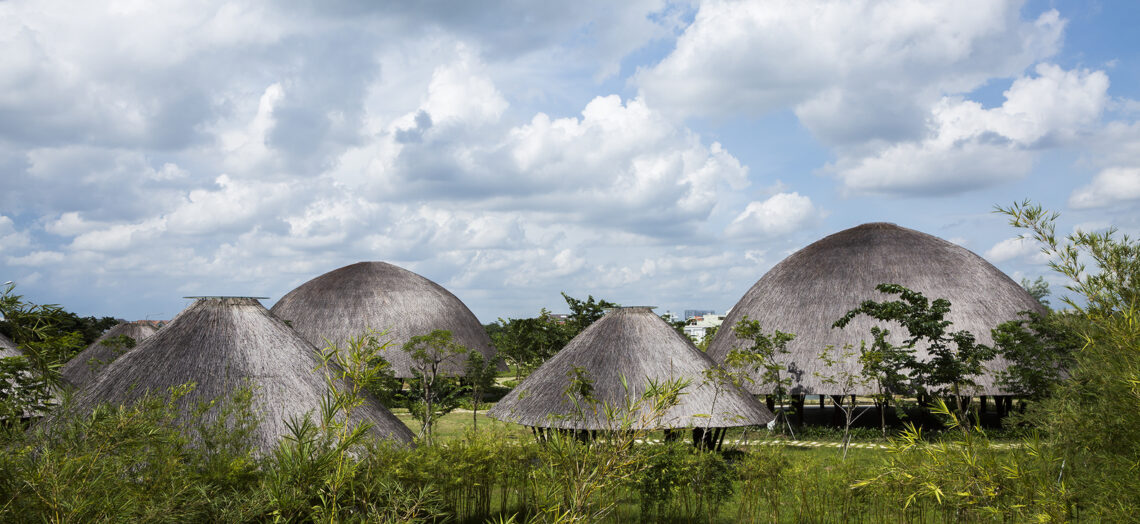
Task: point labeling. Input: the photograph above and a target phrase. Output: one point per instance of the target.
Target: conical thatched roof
(636, 344)
(221, 344)
(346, 302)
(811, 289)
(8, 348)
(91, 361)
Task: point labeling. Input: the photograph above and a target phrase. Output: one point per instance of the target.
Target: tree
(438, 390)
(28, 382)
(954, 357)
(478, 377)
(763, 355)
(883, 364)
(1038, 289)
(1040, 349)
(585, 312)
(1092, 416)
(526, 343)
(847, 384)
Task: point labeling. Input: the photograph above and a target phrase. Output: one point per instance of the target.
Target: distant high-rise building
(690, 313)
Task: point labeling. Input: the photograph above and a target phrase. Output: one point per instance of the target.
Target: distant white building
(697, 326)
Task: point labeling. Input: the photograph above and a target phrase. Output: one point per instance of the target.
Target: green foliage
(22, 320)
(526, 343)
(579, 477)
(134, 462)
(954, 357)
(1040, 349)
(681, 483)
(883, 365)
(1038, 289)
(478, 377)
(971, 477)
(845, 383)
(763, 355)
(585, 312)
(29, 381)
(763, 473)
(1092, 416)
(437, 390)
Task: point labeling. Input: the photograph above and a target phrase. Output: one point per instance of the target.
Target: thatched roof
(91, 361)
(811, 289)
(346, 302)
(636, 344)
(223, 343)
(8, 348)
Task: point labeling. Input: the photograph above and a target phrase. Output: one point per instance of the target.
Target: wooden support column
(836, 415)
(798, 405)
(982, 399)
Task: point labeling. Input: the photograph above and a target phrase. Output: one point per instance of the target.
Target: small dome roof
(91, 361)
(808, 291)
(221, 344)
(636, 344)
(346, 302)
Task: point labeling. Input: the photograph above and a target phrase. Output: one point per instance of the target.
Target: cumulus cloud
(968, 146)
(780, 214)
(851, 70)
(1112, 186)
(1016, 248)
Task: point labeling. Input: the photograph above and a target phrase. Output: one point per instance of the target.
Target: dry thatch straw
(91, 361)
(224, 343)
(636, 344)
(811, 289)
(8, 348)
(347, 302)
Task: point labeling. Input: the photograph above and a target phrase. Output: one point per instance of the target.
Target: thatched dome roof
(221, 344)
(346, 302)
(808, 291)
(8, 348)
(91, 361)
(636, 344)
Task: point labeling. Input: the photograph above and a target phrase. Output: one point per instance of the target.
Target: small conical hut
(8, 348)
(636, 344)
(808, 291)
(346, 302)
(91, 361)
(224, 343)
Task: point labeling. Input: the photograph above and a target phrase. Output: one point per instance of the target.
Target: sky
(646, 152)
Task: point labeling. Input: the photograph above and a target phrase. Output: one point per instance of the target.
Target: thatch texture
(808, 291)
(91, 361)
(224, 343)
(346, 302)
(8, 348)
(636, 344)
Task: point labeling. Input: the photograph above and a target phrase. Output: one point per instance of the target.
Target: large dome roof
(808, 291)
(346, 302)
(220, 344)
(637, 345)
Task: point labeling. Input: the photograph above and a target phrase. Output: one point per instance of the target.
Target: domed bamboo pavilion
(8, 348)
(811, 289)
(346, 302)
(221, 344)
(88, 363)
(636, 344)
